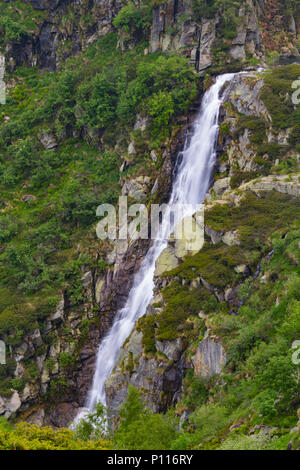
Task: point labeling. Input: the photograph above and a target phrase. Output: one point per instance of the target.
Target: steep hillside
(100, 97)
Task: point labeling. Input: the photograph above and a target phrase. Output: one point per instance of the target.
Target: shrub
(132, 19)
(135, 422)
(31, 437)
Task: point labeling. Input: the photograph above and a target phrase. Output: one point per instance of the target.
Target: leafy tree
(94, 425)
(133, 19)
(27, 436)
(142, 429)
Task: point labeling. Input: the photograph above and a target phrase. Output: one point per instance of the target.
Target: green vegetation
(226, 29)
(256, 218)
(17, 20)
(134, 20)
(135, 422)
(31, 437)
(260, 385)
(132, 430)
(275, 137)
(277, 96)
(256, 125)
(50, 195)
(64, 138)
(209, 8)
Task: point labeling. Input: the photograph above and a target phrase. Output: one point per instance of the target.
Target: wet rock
(86, 279)
(231, 295)
(45, 46)
(45, 377)
(40, 362)
(58, 314)
(133, 346)
(153, 156)
(215, 236)
(98, 288)
(245, 95)
(238, 53)
(281, 183)
(35, 338)
(242, 269)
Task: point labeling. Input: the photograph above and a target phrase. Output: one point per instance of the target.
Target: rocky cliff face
(104, 294)
(258, 168)
(61, 29)
(159, 370)
(175, 27)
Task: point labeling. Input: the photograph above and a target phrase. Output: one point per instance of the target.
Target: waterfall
(190, 186)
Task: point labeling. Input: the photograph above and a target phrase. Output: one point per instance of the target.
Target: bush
(136, 421)
(31, 437)
(132, 19)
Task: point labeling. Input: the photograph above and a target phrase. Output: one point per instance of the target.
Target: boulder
(37, 417)
(231, 238)
(58, 314)
(221, 186)
(171, 349)
(136, 188)
(9, 406)
(48, 140)
(166, 261)
(209, 358)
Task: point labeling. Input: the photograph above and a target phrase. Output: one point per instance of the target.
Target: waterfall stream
(190, 186)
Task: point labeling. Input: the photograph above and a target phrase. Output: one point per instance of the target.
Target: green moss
(87, 98)
(147, 325)
(241, 177)
(20, 317)
(277, 95)
(257, 127)
(259, 386)
(195, 390)
(67, 360)
(214, 263)
(256, 218)
(18, 20)
(181, 304)
(294, 137)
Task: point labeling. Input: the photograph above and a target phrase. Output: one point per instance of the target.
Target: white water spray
(190, 187)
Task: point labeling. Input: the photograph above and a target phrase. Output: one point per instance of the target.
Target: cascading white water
(190, 187)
